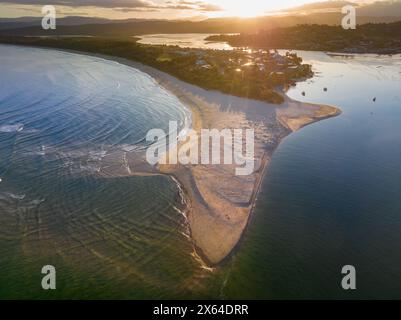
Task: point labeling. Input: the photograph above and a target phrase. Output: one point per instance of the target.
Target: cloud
(86, 3)
(382, 8)
(369, 8)
(321, 6)
(192, 5)
(127, 5)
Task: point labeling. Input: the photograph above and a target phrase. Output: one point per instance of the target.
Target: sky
(150, 9)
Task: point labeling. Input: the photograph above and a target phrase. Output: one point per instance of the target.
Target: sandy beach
(218, 202)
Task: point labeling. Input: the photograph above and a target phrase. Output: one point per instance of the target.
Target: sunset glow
(151, 9)
(248, 8)
(252, 8)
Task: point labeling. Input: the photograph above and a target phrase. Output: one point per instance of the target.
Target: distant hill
(380, 8)
(132, 27)
(26, 22)
(324, 12)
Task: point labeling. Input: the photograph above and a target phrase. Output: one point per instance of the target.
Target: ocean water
(331, 196)
(61, 114)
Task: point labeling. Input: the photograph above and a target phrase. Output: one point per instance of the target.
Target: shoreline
(218, 214)
(188, 99)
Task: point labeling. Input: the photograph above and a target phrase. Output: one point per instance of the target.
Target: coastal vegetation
(250, 74)
(368, 38)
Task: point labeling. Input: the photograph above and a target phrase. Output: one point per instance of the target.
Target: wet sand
(218, 202)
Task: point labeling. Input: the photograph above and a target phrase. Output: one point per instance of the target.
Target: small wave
(36, 202)
(39, 151)
(187, 232)
(180, 191)
(130, 148)
(18, 201)
(15, 196)
(12, 128)
(185, 235)
(202, 264)
(27, 131)
(42, 151)
(181, 212)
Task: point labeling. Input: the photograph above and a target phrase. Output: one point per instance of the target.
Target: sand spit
(219, 202)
